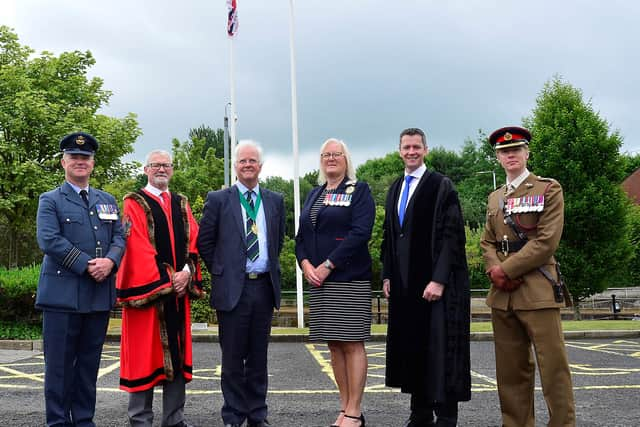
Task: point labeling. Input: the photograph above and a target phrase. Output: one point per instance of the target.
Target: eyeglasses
(248, 161)
(334, 155)
(157, 166)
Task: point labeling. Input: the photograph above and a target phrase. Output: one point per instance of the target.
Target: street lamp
(226, 146)
(492, 172)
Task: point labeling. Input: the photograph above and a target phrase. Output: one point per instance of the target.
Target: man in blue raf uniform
(79, 231)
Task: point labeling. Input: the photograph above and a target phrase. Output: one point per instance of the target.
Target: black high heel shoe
(360, 418)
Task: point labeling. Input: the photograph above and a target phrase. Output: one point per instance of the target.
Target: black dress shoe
(263, 423)
(415, 421)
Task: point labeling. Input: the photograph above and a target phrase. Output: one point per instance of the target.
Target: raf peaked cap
(510, 136)
(79, 143)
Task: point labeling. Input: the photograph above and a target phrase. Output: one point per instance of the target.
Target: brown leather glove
(501, 281)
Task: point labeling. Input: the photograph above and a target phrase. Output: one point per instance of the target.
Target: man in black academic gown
(426, 280)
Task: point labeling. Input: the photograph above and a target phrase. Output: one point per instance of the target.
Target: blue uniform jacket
(341, 233)
(68, 233)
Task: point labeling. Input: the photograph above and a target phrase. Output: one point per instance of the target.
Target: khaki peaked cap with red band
(510, 136)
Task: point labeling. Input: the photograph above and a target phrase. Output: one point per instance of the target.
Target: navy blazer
(68, 233)
(341, 233)
(222, 244)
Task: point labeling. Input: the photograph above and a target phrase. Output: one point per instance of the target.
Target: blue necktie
(404, 198)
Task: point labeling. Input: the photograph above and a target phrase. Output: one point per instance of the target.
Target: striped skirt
(340, 311)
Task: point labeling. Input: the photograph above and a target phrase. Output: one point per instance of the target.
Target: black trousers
(446, 413)
(244, 339)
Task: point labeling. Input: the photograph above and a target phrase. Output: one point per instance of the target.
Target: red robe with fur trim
(155, 343)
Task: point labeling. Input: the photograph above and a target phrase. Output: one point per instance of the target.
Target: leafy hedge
(18, 293)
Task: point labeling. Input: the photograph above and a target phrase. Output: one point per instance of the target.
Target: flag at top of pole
(232, 20)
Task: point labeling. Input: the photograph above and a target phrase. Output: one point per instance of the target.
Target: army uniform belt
(509, 246)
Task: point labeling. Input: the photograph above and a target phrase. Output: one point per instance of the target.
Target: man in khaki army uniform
(522, 232)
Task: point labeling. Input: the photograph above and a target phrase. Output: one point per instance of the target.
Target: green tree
(374, 248)
(573, 144)
(448, 163)
(285, 187)
(634, 241)
(288, 264)
(631, 164)
(42, 98)
(479, 161)
(212, 139)
(197, 171)
(379, 174)
(311, 177)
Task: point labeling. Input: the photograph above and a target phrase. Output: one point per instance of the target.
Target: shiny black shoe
(417, 421)
(182, 424)
(263, 423)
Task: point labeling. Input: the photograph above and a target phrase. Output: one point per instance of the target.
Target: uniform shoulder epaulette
(542, 178)
(500, 190)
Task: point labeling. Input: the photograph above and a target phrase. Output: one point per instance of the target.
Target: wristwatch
(328, 264)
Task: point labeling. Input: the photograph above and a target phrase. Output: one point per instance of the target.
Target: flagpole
(234, 119)
(296, 173)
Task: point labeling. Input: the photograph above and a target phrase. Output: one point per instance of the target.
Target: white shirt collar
(243, 188)
(155, 191)
(78, 189)
(418, 172)
(519, 179)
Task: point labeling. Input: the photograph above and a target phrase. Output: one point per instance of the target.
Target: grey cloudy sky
(366, 69)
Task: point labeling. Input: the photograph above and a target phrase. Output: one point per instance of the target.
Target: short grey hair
(248, 143)
(154, 152)
(350, 172)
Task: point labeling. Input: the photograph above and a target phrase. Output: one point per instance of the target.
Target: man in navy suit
(79, 231)
(240, 239)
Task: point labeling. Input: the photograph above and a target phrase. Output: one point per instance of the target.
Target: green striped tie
(253, 250)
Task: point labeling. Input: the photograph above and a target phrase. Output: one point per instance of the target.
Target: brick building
(631, 186)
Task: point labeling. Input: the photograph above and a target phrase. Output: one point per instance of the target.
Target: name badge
(336, 199)
(524, 204)
(107, 212)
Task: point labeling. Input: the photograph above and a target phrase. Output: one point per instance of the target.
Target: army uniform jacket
(70, 234)
(538, 209)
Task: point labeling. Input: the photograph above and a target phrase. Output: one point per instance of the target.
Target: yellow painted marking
(375, 375)
(490, 380)
(593, 348)
(107, 370)
(200, 374)
(18, 374)
(374, 389)
(22, 364)
(586, 369)
(326, 367)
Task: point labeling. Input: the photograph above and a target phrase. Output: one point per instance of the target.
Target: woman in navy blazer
(332, 250)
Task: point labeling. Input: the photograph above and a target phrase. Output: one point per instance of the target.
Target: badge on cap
(80, 140)
(508, 136)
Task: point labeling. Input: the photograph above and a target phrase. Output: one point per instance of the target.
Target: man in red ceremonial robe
(158, 274)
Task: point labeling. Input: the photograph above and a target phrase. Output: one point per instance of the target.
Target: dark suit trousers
(244, 339)
(72, 349)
